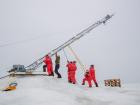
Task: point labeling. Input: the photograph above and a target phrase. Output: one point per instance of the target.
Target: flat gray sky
(114, 48)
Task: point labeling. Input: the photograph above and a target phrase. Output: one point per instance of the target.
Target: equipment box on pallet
(19, 68)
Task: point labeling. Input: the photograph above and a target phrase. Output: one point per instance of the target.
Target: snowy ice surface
(43, 90)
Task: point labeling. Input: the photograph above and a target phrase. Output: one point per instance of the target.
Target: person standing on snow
(87, 78)
(92, 73)
(69, 66)
(49, 65)
(57, 65)
(73, 72)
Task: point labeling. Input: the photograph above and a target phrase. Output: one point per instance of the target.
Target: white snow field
(43, 90)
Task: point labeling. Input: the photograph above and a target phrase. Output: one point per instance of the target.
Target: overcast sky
(31, 28)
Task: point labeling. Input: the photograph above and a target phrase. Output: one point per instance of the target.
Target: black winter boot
(52, 74)
(59, 77)
(96, 84)
(69, 81)
(90, 86)
(83, 83)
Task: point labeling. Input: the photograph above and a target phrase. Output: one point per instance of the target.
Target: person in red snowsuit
(69, 66)
(49, 65)
(87, 78)
(73, 72)
(92, 73)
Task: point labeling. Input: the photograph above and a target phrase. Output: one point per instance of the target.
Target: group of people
(72, 68)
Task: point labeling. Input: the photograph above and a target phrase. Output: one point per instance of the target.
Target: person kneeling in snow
(87, 78)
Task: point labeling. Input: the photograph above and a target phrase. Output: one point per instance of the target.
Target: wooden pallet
(113, 82)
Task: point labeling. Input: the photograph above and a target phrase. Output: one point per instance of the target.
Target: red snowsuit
(69, 69)
(92, 73)
(73, 72)
(88, 79)
(48, 62)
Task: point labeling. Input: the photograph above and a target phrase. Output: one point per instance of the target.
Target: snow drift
(42, 90)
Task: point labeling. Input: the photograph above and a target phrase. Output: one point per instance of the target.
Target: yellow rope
(77, 58)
